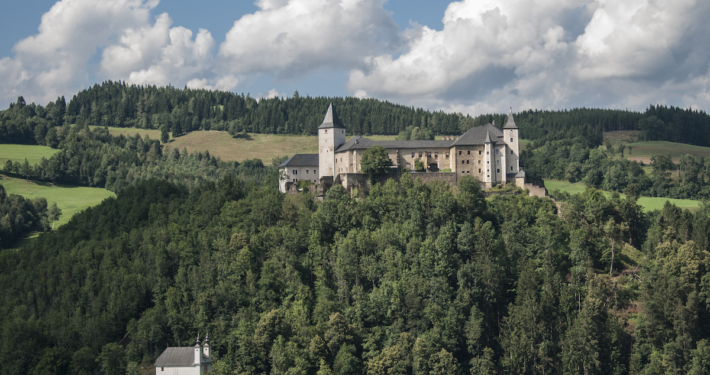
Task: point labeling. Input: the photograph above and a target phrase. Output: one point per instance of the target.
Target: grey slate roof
(474, 136)
(488, 138)
(477, 135)
(331, 119)
(510, 123)
(176, 357)
(298, 160)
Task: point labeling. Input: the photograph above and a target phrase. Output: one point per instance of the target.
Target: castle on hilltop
(485, 152)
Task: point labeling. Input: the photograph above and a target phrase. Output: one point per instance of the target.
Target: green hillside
(18, 153)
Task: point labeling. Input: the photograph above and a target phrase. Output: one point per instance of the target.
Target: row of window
(296, 180)
(295, 171)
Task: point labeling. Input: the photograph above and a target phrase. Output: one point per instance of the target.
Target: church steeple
(510, 123)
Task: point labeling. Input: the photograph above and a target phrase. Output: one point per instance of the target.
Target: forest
(413, 279)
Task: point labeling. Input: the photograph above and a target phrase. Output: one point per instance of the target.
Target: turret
(198, 351)
(206, 346)
(489, 158)
(331, 134)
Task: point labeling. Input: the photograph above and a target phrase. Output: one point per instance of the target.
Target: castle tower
(331, 134)
(510, 136)
(198, 351)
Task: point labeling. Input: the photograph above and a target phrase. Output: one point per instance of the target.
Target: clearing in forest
(642, 151)
(18, 153)
(70, 199)
(648, 203)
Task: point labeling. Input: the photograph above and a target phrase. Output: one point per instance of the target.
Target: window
(488, 162)
(315, 181)
(306, 171)
(479, 162)
(412, 155)
(462, 172)
(469, 152)
(162, 369)
(326, 131)
(436, 154)
(447, 155)
(459, 152)
(462, 162)
(497, 170)
(342, 131)
(420, 154)
(467, 161)
(511, 168)
(295, 171)
(479, 152)
(511, 139)
(488, 152)
(479, 170)
(511, 152)
(468, 171)
(498, 162)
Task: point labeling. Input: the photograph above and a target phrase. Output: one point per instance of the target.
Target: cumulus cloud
(529, 54)
(161, 55)
(292, 37)
(54, 61)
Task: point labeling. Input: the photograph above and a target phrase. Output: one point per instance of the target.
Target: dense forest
(20, 216)
(183, 110)
(413, 279)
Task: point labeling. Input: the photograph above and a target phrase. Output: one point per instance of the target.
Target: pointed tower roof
(488, 137)
(331, 119)
(207, 340)
(197, 341)
(510, 124)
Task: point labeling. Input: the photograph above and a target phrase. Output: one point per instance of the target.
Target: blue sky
(471, 56)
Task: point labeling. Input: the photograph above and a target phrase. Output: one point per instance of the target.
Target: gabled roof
(360, 143)
(176, 357)
(301, 160)
(477, 135)
(510, 123)
(331, 119)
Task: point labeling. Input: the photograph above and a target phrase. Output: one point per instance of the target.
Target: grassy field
(19, 152)
(70, 199)
(153, 133)
(261, 146)
(642, 151)
(648, 203)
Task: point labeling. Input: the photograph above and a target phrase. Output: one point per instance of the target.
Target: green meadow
(18, 153)
(70, 199)
(648, 203)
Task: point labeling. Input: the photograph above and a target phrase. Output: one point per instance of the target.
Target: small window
(412, 154)
(488, 175)
(511, 168)
(462, 172)
(468, 171)
(469, 152)
(497, 170)
(306, 171)
(162, 369)
(488, 152)
(315, 181)
(479, 152)
(436, 154)
(459, 152)
(479, 162)
(488, 162)
(447, 155)
(420, 154)
(462, 162)
(511, 139)
(326, 131)
(467, 161)
(479, 170)
(511, 152)
(342, 131)
(498, 162)
(295, 171)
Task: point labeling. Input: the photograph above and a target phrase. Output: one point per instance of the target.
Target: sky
(469, 56)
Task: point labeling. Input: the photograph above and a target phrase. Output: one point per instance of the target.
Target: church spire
(510, 123)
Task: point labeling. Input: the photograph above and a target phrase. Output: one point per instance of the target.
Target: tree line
(412, 279)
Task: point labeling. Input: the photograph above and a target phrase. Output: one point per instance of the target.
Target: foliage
(20, 216)
(375, 160)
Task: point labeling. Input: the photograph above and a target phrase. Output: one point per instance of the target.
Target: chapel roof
(172, 356)
(298, 160)
(477, 135)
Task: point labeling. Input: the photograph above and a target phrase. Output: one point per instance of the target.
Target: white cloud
(225, 83)
(54, 61)
(298, 36)
(160, 55)
(533, 54)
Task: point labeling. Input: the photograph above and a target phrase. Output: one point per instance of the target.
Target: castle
(485, 152)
